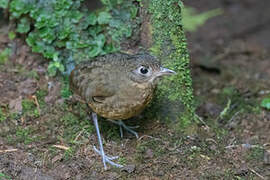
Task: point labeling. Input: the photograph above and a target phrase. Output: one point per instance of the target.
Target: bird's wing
(91, 82)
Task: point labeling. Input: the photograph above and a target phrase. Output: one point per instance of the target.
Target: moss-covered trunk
(163, 35)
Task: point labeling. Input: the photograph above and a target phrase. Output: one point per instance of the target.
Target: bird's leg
(105, 158)
(127, 128)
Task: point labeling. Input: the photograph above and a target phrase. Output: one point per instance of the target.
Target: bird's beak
(164, 71)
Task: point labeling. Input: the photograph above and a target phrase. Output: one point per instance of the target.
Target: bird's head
(146, 69)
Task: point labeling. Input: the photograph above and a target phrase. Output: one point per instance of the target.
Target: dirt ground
(52, 137)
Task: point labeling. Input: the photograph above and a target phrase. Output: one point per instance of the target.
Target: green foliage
(4, 4)
(65, 92)
(256, 153)
(29, 108)
(170, 46)
(74, 127)
(192, 20)
(4, 55)
(11, 35)
(104, 18)
(41, 98)
(225, 110)
(266, 103)
(24, 135)
(66, 33)
(69, 153)
(122, 160)
(23, 26)
(4, 177)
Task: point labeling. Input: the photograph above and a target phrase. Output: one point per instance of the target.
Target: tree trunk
(163, 35)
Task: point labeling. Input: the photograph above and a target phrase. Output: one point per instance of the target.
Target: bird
(116, 86)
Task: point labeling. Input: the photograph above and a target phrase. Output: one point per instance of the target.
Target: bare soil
(52, 137)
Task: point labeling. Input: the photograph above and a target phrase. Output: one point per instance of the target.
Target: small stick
(248, 146)
(8, 150)
(36, 102)
(253, 171)
(61, 147)
(140, 138)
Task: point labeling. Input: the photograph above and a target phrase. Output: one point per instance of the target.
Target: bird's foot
(107, 159)
(127, 128)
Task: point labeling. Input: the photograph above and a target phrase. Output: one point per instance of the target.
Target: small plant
(266, 103)
(40, 97)
(4, 55)
(11, 35)
(66, 33)
(75, 127)
(29, 108)
(122, 160)
(65, 92)
(191, 20)
(4, 177)
(69, 153)
(24, 135)
(256, 153)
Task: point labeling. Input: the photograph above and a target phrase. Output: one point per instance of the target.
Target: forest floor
(53, 137)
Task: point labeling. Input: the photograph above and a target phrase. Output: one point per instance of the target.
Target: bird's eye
(143, 70)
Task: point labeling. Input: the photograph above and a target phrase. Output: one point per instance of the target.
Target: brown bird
(117, 87)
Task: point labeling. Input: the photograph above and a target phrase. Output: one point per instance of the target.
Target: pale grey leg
(127, 128)
(105, 158)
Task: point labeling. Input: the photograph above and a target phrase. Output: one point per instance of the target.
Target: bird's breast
(129, 100)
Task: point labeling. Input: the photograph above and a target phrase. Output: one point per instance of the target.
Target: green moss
(4, 55)
(170, 46)
(33, 74)
(29, 108)
(24, 135)
(69, 153)
(41, 98)
(4, 176)
(234, 102)
(75, 126)
(256, 154)
(65, 91)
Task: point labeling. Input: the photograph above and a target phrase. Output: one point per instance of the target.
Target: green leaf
(94, 51)
(133, 11)
(23, 26)
(47, 34)
(76, 16)
(104, 18)
(3, 176)
(30, 40)
(11, 35)
(60, 4)
(54, 66)
(105, 2)
(91, 19)
(64, 33)
(4, 55)
(48, 52)
(4, 3)
(100, 40)
(266, 103)
(191, 20)
(19, 7)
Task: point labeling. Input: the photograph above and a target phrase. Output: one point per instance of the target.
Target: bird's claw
(127, 128)
(108, 159)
